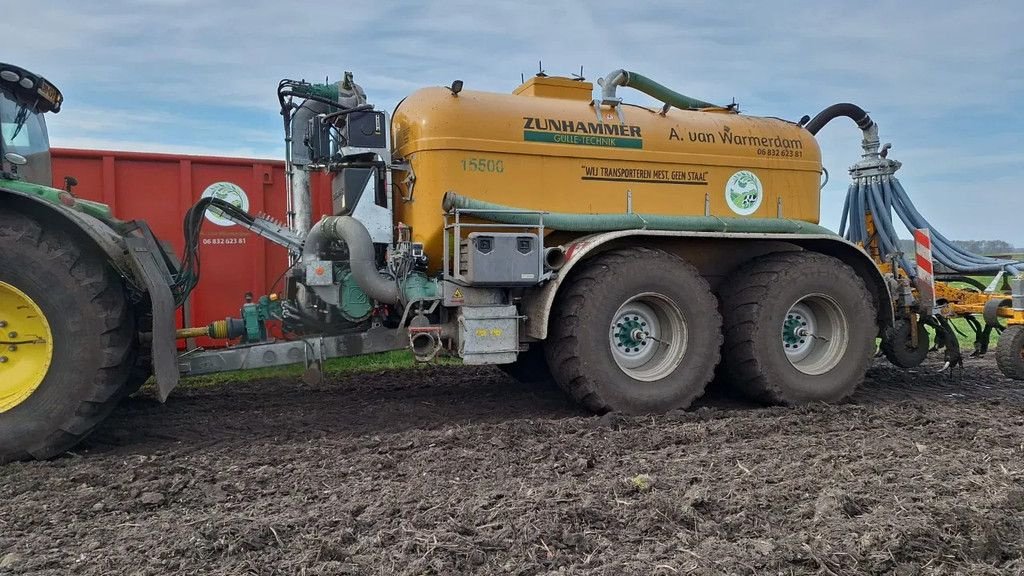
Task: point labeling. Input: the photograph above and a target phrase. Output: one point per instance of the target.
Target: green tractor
(77, 290)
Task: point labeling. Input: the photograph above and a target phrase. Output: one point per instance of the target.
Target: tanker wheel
(635, 330)
(896, 344)
(531, 367)
(799, 327)
(66, 344)
(1010, 352)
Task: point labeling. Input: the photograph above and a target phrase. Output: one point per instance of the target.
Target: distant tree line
(985, 247)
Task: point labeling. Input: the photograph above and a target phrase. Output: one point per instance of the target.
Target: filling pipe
(644, 84)
(851, 111)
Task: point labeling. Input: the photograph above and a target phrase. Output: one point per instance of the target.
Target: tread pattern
(1008, 352)
(742, 297)
(96, 290)
(565, 364)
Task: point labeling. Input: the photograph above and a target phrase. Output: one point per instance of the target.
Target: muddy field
(461, 470)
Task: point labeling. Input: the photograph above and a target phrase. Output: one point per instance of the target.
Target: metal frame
(308, 351)
(451, 266)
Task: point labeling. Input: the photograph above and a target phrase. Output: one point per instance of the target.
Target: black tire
(531, 367)
(92, 330)
(579, 350)
(896, 344)
(1010, 352)
(757, 302)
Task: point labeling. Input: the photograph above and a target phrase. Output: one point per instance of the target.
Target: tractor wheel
(635, 330)
(67, 340)
(896, 344)
(1010, 352)
(799, 327)
(531, 367)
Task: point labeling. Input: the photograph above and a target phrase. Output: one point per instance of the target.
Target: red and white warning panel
(925, 267)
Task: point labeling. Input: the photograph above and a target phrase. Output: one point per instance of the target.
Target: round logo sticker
(228, 192)
(743, 193)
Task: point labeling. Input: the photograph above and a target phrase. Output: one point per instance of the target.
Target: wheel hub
(795, 333)
(630, 333)
(647, 337)
(815, 334)
(26, 346)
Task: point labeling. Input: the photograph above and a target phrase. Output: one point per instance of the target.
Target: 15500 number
(483, 165)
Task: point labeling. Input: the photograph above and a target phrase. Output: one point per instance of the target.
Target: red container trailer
(160, 188)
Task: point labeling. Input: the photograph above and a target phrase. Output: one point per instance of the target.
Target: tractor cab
(24, 144)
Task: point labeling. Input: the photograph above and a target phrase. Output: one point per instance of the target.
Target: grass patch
(964, 335)
(967, 338)
(396, 360)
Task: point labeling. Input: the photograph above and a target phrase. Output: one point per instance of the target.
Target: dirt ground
(463, 471)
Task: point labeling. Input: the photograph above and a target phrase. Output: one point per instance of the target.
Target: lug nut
(3, 359)
(12, 348)
(12, 334)
(3, 323)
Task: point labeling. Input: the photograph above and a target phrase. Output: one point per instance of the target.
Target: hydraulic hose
(884, 196)
(883, 218)
(574, 222)
(362, 258)
(883, 222)
(653, 89)
(851, 111)
(920, 222)
(941, 246)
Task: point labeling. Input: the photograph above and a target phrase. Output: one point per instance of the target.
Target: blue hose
(886, 196)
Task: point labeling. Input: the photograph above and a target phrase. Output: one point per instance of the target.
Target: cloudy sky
(944, 80)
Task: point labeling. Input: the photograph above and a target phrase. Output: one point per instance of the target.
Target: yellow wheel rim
(26, 346)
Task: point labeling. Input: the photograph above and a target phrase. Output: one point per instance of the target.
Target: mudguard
(537, 304)
(136, 257)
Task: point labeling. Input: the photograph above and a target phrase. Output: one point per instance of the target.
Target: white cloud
(942, 79)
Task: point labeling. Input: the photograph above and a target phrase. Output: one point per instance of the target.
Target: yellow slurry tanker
(626, 252)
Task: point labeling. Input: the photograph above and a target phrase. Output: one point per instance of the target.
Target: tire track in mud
(461, 470)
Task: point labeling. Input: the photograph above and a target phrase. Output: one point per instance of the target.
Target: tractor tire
(635, 330)
(799, 328)
(531, 367)
(896, 344)
(71, 366)
(1010, 352)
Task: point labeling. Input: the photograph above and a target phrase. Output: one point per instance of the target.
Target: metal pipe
(302, 200)
(362, 257)
(554, 257)
(289, 168)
